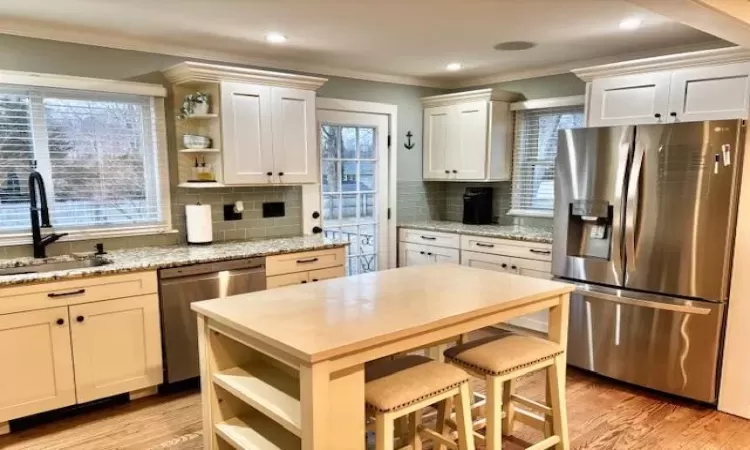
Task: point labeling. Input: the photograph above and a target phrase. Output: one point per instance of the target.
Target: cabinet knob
(304, 281)
(281, 174)
(270, 174)
(513, 267)
(79, 319)
(315, 279)
(503, 265)
(429, 254)
(61, 321)
(447, 171)
(421, 253)
(455, 171)
(673, 114)
(657, 115)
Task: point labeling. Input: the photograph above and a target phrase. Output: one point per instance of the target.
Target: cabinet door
(37, 373)
(485, 261)
(710, 93)
(294, 146)
(437, 136)
(413, 255)
(116, 346)
(467, 154)
(246, 133)
(629, 100)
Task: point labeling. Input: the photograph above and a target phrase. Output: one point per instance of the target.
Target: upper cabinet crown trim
(726, 55)
(190, 72)
(469, 96)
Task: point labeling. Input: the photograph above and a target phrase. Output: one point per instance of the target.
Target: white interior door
(354, 185)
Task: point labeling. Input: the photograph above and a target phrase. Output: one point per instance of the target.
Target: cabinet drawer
(287, 280)
(75, 291)
(326, 274)
(531, 264)
(507, 247)
(304, 261)
(498, 263)
(436, 238)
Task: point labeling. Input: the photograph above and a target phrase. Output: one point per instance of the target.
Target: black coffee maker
(478, 205)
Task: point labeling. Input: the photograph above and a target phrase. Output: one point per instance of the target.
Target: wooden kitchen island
(284, 368)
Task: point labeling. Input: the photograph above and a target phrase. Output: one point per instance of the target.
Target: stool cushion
(392, 384)
(503, 353)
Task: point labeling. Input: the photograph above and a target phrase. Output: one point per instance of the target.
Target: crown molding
(48, 80)
(571, 66)
(667, 62)
(469, 96)
(190, 72)
(55, 32)
(554, 102)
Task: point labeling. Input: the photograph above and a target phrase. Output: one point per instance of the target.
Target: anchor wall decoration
(409, 144)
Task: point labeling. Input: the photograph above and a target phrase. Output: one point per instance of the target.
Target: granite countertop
(515, 232)
(150, 258)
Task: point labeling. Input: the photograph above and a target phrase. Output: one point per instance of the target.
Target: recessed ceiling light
(631, 24)
(454, 66)
(514, 45)
(275, 38)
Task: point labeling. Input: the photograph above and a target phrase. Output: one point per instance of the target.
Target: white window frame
(545, 103)
(157, 93)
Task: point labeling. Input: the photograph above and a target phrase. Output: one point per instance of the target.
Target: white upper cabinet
(436, 142)
(294, 146)
(268, 126)
(467, 136)
(629, 99)
(247, 133)
(710, 93)
(705, 85)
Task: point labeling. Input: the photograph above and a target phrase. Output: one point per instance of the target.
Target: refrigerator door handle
(631, 210)
(617, 257)
(666, 306)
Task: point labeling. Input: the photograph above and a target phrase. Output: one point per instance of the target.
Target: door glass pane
(348, 143)
(350, 192)
(366, 139)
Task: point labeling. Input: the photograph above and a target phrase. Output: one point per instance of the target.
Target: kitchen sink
(53, 265)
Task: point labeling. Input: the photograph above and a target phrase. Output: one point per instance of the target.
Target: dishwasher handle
(248, 264)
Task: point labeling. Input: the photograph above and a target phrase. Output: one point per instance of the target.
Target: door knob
(79, 319)
(315, 214)
(317, 230)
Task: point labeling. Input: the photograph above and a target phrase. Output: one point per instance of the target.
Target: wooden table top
(330, 318)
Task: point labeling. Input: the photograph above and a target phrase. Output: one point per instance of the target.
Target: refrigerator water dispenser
(590, 229)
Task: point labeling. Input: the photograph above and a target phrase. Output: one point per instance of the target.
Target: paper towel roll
(199, 225)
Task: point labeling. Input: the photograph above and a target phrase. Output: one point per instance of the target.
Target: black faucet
(40, 243)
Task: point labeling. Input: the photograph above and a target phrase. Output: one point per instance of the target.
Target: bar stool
(401, 387)
(501, 359)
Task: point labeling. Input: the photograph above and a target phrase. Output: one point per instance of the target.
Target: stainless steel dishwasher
(181, 286)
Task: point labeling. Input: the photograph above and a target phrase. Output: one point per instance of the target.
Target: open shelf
(199, 150)
(269, 390)
(199, 117)
(256, 432)
(210, 184)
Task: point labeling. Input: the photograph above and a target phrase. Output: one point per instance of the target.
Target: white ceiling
(408, 41)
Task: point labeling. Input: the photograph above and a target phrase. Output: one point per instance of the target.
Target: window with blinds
(534, 151)
(97, 152)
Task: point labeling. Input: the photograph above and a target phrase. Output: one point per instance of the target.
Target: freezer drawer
(663, 343)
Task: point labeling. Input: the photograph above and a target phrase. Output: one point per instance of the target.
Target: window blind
(534, 152)
(98, 153)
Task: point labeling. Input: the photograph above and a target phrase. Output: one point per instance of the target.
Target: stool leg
(463, 417)
(509, 388)
(556, 378)
(401, 429)
(547, 399)
(415, 440)
(494, 433)
(436, 352)
(384, 432)
(444, 412)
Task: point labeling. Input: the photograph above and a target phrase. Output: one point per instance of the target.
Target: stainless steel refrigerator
(644, 224)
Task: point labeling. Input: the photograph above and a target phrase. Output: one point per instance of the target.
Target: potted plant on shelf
(194, 105)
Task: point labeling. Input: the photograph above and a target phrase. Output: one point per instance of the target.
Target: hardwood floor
(602, 415)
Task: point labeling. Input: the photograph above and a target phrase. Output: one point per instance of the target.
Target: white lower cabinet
(417, 255)
(116, 346)
(77, 340)
(37, 373)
